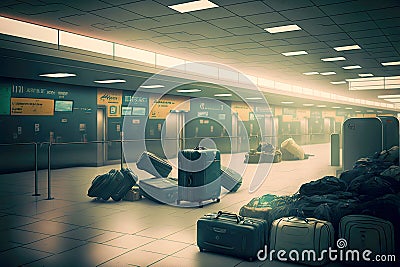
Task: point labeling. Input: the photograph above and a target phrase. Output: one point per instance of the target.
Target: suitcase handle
(234, 215)
(200, 148)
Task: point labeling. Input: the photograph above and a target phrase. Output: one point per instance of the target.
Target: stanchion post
(49, 173)
(122, 152)
(36, 172)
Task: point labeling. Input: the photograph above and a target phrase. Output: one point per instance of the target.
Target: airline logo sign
(112, 99)
(32, 106)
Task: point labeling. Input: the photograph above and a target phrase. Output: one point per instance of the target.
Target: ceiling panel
(279, 5)
(249, 8)
(213, 13)
(117, 14)
(303, 13)
(149, 8)
(265, 20)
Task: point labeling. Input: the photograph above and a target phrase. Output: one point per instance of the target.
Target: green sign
(5, 98)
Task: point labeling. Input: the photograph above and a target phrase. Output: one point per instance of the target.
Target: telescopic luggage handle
(233, 215)
(200, 148)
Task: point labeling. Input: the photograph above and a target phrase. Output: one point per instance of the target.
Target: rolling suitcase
(154, 165)
(303, 235)
(363, 232)
(104, 186)
(231, 234)
(129, 180)
(259, 157)
(161, 190)
(230, 179)
(198, 173)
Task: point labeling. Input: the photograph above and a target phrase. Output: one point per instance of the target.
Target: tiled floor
(74, 230)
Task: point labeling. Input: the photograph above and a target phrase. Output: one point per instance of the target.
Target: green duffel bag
(258, 207)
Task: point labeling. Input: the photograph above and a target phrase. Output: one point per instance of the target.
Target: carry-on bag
(309, 237)
(231, 234)
(259, 157)
(198, 173)
(154, 165)
(104, 186)
(293, 148)
(230, 179)
(129, 180)
(258, 207)
(133, 194)
(161, 190)
(363, 232)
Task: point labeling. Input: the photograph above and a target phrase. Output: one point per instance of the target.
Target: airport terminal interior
(89, 86)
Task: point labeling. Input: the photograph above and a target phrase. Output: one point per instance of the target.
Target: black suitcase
(154, 165)
(161, 190)
(129, 180)
(230, 179)
(105, 185)
(231, 234)
(198, 173)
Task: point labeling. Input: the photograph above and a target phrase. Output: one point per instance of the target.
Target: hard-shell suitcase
(133, 194)
(98, 184)
(161, 190)
(104, 186)
(308, 236)
(259, 157)
(198, 173)
(154, 165)
(363, 232)
(230, 179)
(129, 180)
(231, 234)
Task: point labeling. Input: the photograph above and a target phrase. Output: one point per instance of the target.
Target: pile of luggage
(200, 177)
(360, 209)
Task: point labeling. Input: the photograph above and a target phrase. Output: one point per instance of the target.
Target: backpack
(325, 185)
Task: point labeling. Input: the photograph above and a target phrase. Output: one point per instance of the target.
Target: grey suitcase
(154, 165)
(303, 235)
(230, 179)
(160, 190)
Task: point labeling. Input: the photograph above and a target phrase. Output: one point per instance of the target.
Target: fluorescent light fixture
(347, 47)
(193, 6)
(339, 82)
(57, 75)
(111, 81)
(154, 86)
(321, 106)
(308, 105)
(286, 28)
(223, 95)
(370, 110)
(86, 43)
(388, 96)
(379, 111)
(188, 90)
(358, 111)
(348, 108)
(287, 102)
(393, 100)
(28, 30)
(294, 53)
(351, 67)
(393, 63)
(328, 59)
(328, 73)
(365, 75)
(253, 98)
(311, 73)
(336, 107)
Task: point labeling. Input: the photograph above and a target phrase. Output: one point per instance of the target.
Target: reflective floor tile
(160, 231)
(164, 247)
(103, 238)
(134, 258)
(11, 221)
(21, 256)
(55, 244)
(129, 241)
(48, 227)
(186, 236)
(83, 233)
(21, 236)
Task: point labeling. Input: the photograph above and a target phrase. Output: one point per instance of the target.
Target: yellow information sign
(303, 113)
(242, 109)
(32, 106)
(112, 99)
(160, 107)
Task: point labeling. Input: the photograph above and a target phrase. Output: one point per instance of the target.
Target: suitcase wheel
(201, 249)
(116, 198)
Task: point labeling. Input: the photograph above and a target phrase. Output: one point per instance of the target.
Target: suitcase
(133, 194)
(160, 190)
(293, 148)
(231, 234)
(259, 157)
(258, 207)
(230, 179)
(198, 173)
(154, 165)
(104, 186)
(129, 180)
(303, 235)
(363, 232)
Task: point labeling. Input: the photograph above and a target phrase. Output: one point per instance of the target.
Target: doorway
(101, 136)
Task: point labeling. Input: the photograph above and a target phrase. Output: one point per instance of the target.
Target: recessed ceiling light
(223, 95)
(111, 81)
(358, 111)
(311, 73)
(365, 75)
(379, 111)
(328, 59)
(152, 86)
(336, 107)
(321, 106)
(58, 75)
(348, 108)
(328, 73)
(347, 47)
(339, 82)
(188, 90)
(393, 100)
(253, 98)
(388, 96)
(294, 53)
(287, 102)
(352, 67)
(393, 63)
(193, 6)
(308, 105)
(287, 28)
